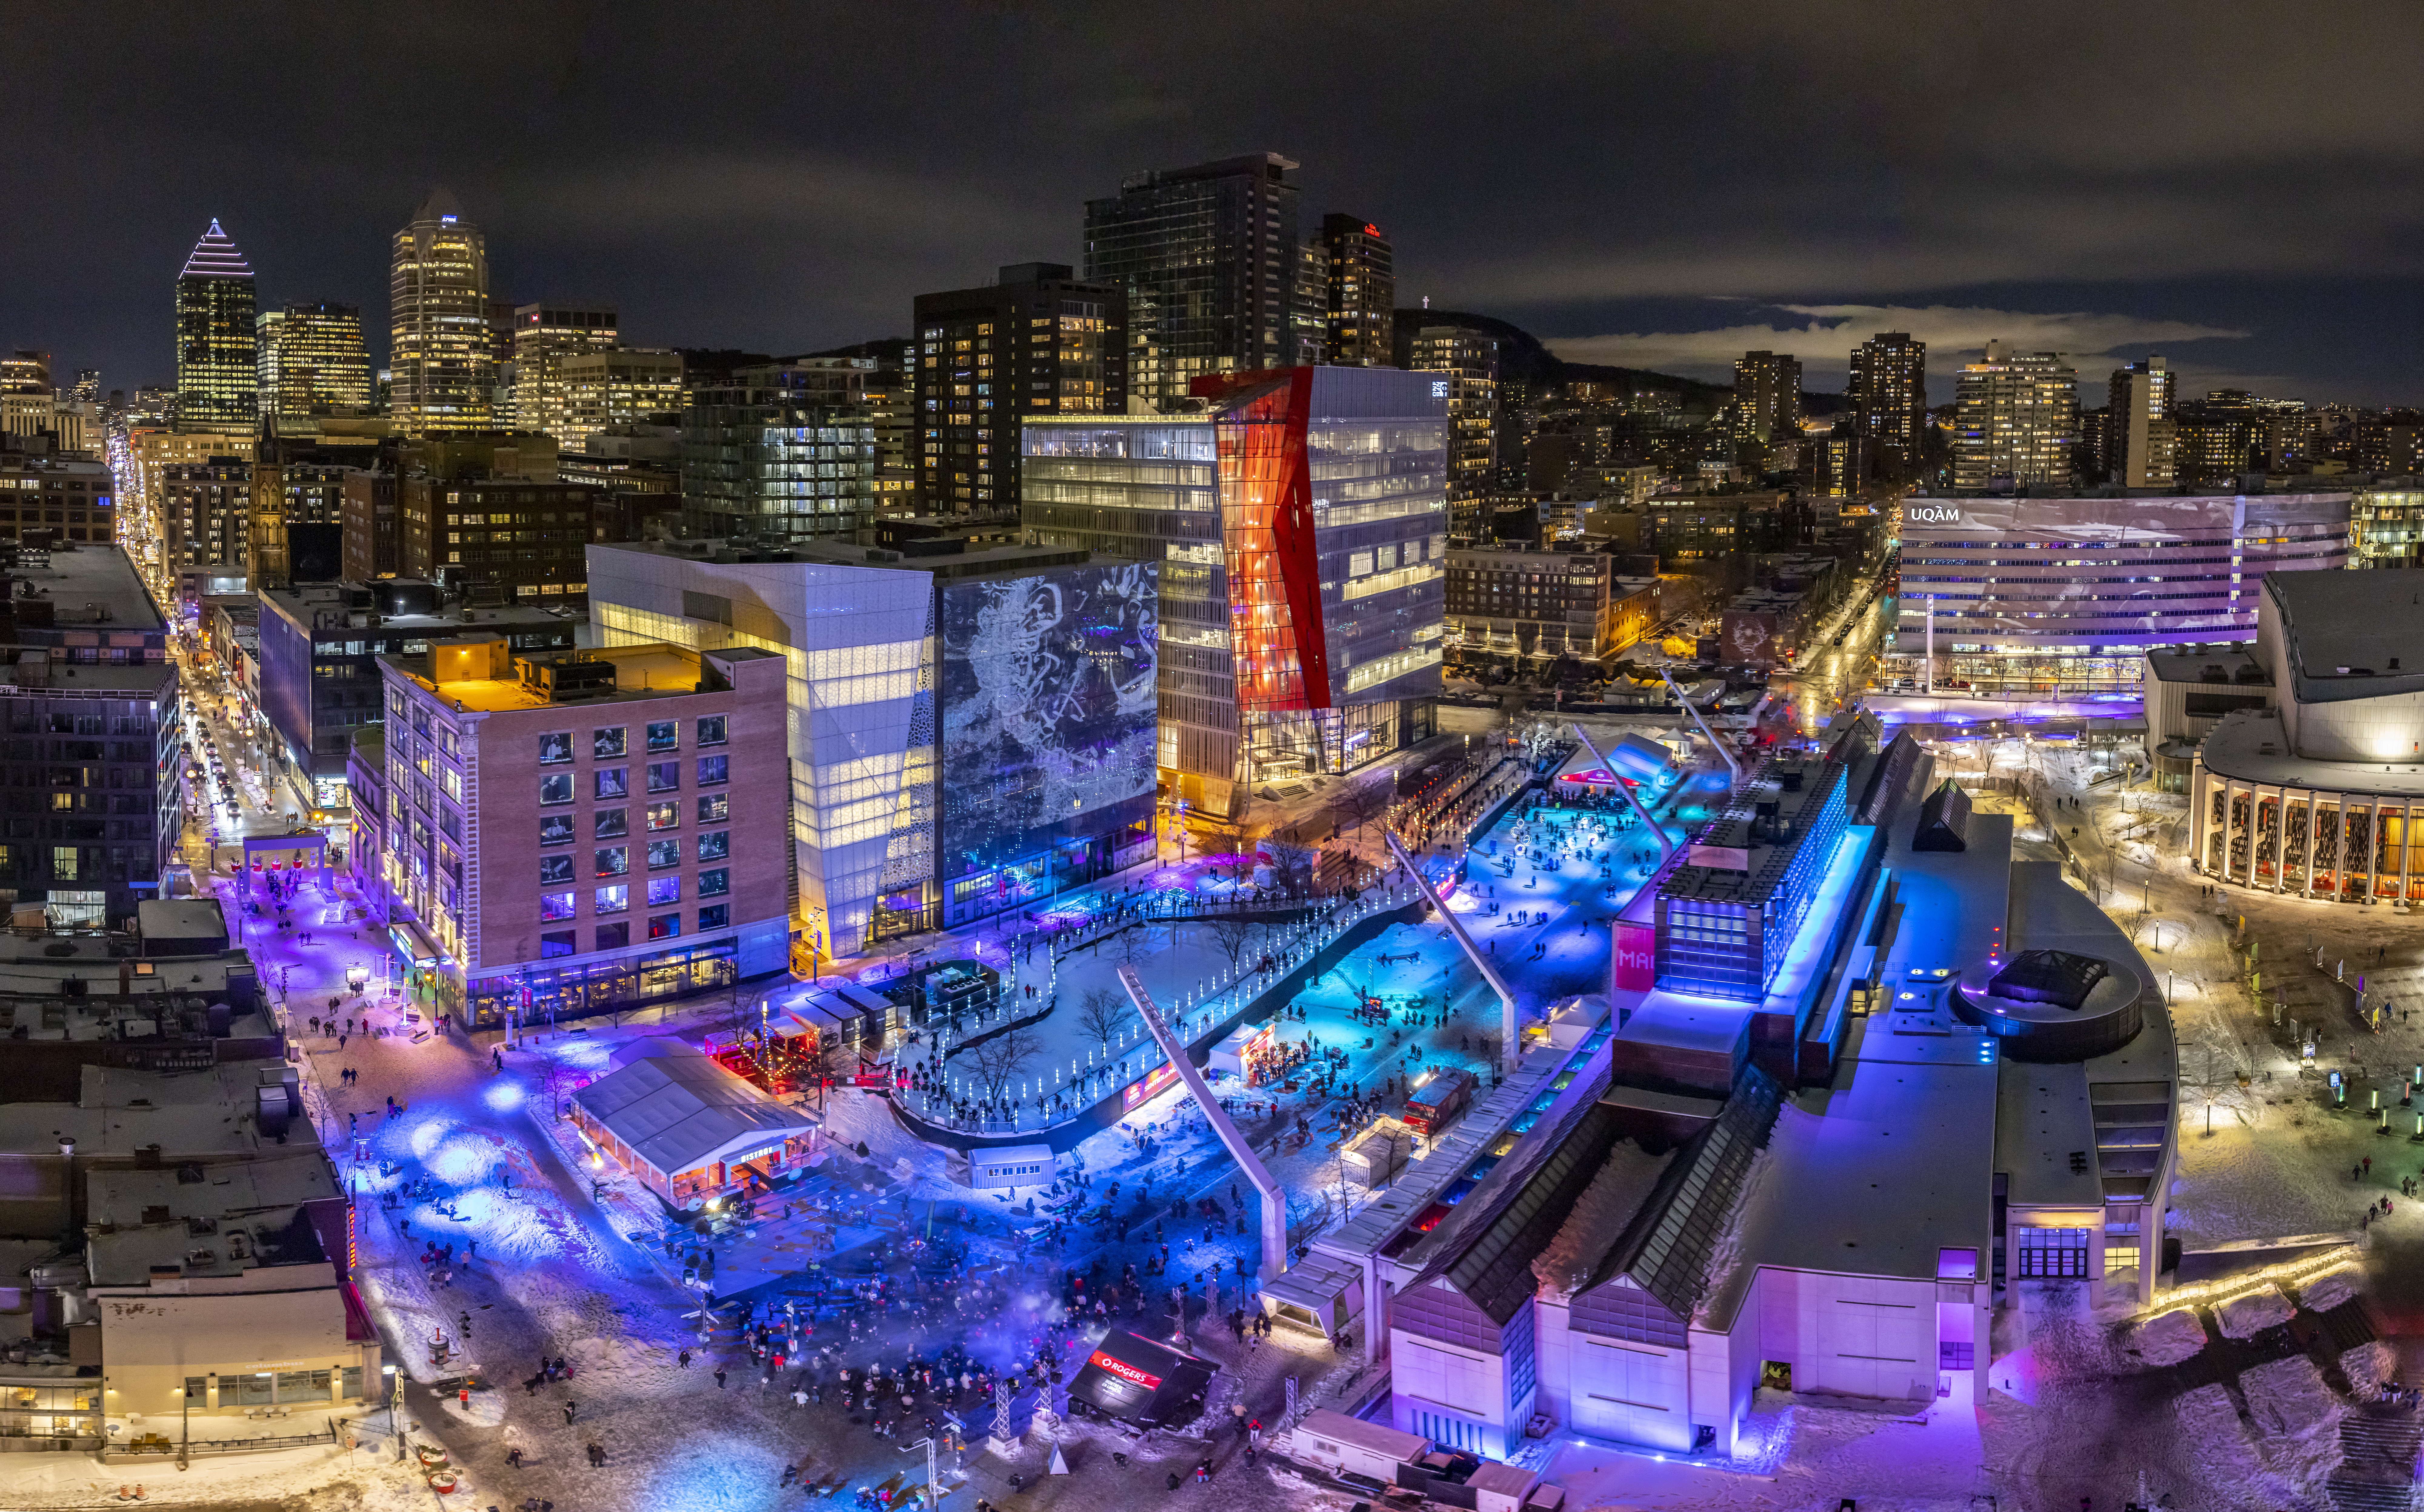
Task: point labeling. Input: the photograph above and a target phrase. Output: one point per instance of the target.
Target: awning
(414, 945)
(1136, 1380)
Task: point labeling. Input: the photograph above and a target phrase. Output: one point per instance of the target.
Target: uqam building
(1837, 1108)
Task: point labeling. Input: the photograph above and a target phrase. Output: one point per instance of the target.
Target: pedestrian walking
(719, 1379)
(570, 1408)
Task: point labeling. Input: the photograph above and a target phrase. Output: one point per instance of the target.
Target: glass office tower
(215, 371)
(1302, 525)
(440, 352)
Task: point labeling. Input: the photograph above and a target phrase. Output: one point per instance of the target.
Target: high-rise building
(87, 386)
(1207, 256)
(1301, 522)
(1469, 357)
(441, 355)
(2221, 435)
(1767, 394)
(1359, 293)
(544, 336)
(2139, 439)
(312, 360)
(785, 450)
(27, 401)
(217, 370)
(598, 390)
(1037, 341)
(1888, 390)
(2016, 421)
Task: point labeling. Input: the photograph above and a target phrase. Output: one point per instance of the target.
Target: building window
(613, 823)
(614, 860)
(664, 854)
(713, 770)
(612, 781)
(556, 906)
(559, 943)
(606, 744)
(452, 781)
(556, 788)
(715, 845)
(714, 808)
(710, 731)
(556, 830)
(714, 917)
(664, 776)
(63, 863)
(613, 936)
(554, 749)
(613, 900)
(714, 883)
(664, 816)
(663, 926)
(665, 734)
(554, 869)
(663, 890)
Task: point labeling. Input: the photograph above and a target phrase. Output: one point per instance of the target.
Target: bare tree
(1370, 801)
(1103, 1014)
(997, 1062)
(1292, 863)
(1233, 936)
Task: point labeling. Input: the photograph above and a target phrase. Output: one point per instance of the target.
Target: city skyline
(1955, 200)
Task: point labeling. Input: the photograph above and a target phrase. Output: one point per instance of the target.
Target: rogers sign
(1124, 1371)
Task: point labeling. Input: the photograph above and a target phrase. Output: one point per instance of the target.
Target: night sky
(1661, 185)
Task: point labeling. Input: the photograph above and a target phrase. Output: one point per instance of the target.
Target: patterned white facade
(859, 645)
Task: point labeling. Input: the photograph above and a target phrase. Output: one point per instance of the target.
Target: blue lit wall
(1047, 710)
(1734, 949)
(286, 680)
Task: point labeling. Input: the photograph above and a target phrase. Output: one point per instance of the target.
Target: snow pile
(2369, 1367)
(2216, 1439)
(2296, 1418)
(2244, 1317)
(2165, 1339)
(2332, 1287)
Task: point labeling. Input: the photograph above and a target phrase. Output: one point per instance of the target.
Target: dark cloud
(786, 176)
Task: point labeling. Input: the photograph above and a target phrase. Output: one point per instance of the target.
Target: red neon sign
(1155, 1081)
(1123, 1371)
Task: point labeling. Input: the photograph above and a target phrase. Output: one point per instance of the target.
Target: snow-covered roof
(677, 1109)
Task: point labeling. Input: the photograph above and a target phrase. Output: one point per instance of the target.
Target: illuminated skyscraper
(1034, 342)
(1359, 293)
(1209, 258)
(544, 336)
(1888, 390)
(1767, 390)
(2141, 446)
(216, 370)
(2016, 421)
(440, 353)
(312, 360)
(1469, 359)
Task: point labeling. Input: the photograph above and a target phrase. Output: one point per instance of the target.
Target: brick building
(584, 832)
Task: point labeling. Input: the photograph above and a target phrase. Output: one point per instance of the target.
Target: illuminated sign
(404, 947)
(1439, 387)
(1123, 1371)
(1155, 1081)
(1931, 515)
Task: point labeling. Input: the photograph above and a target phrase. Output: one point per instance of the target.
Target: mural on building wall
(1048, 709)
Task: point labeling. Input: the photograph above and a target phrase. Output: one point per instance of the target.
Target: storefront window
(247, 1390)
(302, 1385)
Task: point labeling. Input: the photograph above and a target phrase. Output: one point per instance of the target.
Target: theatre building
(2313, 787)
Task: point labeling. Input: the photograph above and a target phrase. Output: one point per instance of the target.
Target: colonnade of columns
(2269, 837)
